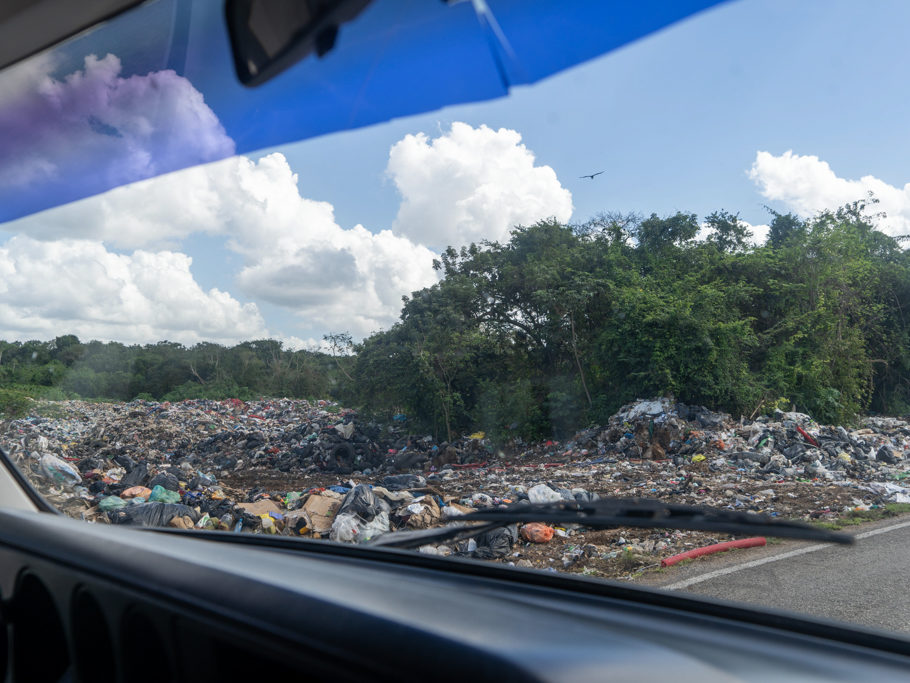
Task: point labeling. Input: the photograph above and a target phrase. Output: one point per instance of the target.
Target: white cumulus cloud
(807, 185)
(155, 213)
(759, 232)
(295, 254)
(471, 184)
(79, 287)
(298, 257)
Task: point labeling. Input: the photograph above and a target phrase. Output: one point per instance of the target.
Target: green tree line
(67, 368)
(560, 325)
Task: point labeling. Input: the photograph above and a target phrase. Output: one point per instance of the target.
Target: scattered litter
(296, 468)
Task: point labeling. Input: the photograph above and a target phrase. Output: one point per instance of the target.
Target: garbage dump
(316, 470)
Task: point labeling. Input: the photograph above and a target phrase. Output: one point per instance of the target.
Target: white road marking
(876, 532)
(774, 558)
(745, 565)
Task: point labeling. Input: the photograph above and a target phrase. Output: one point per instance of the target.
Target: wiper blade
(614, 512)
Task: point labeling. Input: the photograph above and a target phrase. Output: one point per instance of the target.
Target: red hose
(807, 436)
(711, 549)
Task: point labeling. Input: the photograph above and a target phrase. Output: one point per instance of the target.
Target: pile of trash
(291, 467)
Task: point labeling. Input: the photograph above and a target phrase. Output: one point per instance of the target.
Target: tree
(785, 229)
(656, 234)
(727, 232)
(340, 344)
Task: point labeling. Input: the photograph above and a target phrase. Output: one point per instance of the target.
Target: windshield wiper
(613, 512)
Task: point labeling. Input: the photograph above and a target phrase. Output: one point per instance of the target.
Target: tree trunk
(581, 373)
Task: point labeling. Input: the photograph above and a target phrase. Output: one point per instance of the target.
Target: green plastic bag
(163, 495)
(111, 503)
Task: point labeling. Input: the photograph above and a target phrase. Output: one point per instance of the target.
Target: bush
(216, 391)
(14, 403)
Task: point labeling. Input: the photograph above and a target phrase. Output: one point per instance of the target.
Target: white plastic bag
(543, 494)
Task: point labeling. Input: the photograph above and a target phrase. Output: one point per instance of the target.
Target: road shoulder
(690, 570)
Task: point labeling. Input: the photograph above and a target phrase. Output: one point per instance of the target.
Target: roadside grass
(856, 517)
(628, 560)
(662, 570)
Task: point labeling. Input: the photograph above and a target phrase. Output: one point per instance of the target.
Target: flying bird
(591, 176)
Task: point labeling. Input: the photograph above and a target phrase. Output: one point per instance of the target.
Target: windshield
(675, 272)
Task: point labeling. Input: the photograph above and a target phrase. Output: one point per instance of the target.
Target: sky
(794, 106)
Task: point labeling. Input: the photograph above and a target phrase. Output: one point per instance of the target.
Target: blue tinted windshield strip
(154, 91)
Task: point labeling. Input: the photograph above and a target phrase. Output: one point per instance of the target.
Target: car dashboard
(99, 603)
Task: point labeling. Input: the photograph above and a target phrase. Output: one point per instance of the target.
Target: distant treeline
(68, 368)
(561, 325)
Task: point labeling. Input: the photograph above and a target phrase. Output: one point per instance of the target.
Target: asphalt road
(867, 583)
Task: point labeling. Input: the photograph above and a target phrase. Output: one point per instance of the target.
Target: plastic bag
(200, 481)
(361, 501)
(496, 543)
(543, 494)
(582, 496)
(566, 495)
(111, 503)
(345, 529)
(346, 430)
(138, 476)
(397, 482)
(125, 461)
(481, 500)
(362, 516)
(165, 480)
(87, 464)
(151, 514)
(136, 491)
(58, 471)
(535, 532)
(348, 528)
(162, 495)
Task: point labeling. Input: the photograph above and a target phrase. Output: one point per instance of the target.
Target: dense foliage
(561, 325)
(558, 327)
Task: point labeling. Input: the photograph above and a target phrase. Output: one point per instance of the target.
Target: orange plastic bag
(137, 491)
(535, 532)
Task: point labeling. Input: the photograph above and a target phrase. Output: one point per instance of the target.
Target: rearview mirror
(268, 36)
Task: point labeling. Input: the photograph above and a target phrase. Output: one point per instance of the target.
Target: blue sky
(675, 121)
(676, 118)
